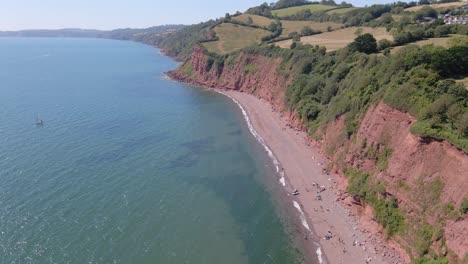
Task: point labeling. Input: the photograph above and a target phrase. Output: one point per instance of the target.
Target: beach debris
(322, 188)
(329, 235)
(295, 192)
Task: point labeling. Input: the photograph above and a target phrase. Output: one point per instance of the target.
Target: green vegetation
(417, 80)
(181, 43)
(339, 74)
(386, 210)
(234, 37)
(250, 68)
(464, 206)
(340, 38)
(437, 260)
(364, 43)
(341, 10)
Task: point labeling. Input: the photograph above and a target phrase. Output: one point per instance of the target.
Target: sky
(112, 14)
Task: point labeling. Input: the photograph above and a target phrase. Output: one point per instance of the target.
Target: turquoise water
(129, 167)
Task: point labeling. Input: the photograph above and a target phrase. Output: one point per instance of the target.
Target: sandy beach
(302, 165)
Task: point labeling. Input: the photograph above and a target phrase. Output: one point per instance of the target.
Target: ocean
(129, 167)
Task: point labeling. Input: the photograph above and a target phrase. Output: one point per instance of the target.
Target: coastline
(300, 167)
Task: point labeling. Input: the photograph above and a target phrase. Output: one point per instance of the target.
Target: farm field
(293, 10)
(436, 6)
(436, 41)
(234, 37)
(444, 42)
(288, 26)
(257, 20)
(339, 38)
(341, 11)
(297, 26)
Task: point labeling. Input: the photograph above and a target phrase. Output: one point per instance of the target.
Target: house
(454, 20)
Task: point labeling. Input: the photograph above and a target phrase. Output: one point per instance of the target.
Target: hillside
(392, 117)
(339, 39)
(437, 6)
(295, 9)
(145, 35)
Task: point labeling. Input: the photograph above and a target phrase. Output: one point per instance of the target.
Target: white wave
(255, 133)
(302, 215)
(37, 57)
(319, 254)
(283, 181)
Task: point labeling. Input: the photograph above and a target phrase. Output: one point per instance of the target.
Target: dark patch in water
(201, 146)
(184, 161)
(196, 149)
(125, 149)
(235, 132)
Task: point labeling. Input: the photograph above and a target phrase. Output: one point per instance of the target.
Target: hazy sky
(111, 14)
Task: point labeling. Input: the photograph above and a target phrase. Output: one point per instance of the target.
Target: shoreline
(316, 217)
(302, 168)
(305, 244)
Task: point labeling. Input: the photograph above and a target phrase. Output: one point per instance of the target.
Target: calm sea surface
(129, 167)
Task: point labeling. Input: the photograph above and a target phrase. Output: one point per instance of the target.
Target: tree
(386, 18)
(249, 21)
(426, 11)
(328, 2)
(295, 36)
(307, 31)
(463, 126)
(274, 26)
(364, 43)
(384, 43)
(227, 16)
(454, 113)
(288, 3)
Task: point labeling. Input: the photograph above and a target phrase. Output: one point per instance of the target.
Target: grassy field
(293, 10)
(297, 26)
(436, 6)
(339, 38)
(257, 20)
(234, 37)
(289, 26)
(341, 10)
(444, 42)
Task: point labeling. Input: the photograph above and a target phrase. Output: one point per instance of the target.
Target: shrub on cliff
(464, 206)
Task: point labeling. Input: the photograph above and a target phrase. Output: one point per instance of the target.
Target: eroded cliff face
(428, 178)
(248, 73)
